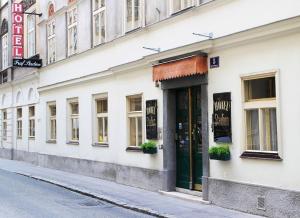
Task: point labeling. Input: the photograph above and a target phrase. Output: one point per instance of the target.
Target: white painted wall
(118, 87)
(222, 17)
(278, 53)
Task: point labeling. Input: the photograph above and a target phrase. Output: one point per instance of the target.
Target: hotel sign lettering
(151, 119)
(17, 29)
(222, 117)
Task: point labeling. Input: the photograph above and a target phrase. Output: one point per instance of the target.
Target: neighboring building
(88, 114)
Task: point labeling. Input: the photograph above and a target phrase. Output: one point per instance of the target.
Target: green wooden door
(197, 138)
(182, 139)
(188, 138)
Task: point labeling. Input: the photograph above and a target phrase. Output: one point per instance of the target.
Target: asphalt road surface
(25, 197)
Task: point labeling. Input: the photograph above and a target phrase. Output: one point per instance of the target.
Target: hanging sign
(17, 30)
(35, 63)
(151, 119)
(222, 117)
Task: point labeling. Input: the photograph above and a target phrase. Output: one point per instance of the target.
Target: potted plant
(219, 152)
(149, 147)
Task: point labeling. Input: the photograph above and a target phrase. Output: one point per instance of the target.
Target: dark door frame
(169, 130)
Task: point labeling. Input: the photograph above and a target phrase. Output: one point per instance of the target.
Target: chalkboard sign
(222, 117)
(151, 119)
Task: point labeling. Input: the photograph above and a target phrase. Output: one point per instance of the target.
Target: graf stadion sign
(18, 40)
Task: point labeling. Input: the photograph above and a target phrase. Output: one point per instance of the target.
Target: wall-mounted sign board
(214, 62)
(35, 63)
(151, 119)
(222, 117)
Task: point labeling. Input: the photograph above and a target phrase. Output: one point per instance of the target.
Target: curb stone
(99, 196)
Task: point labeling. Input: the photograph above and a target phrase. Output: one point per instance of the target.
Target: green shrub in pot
(221, 152)
(149, 147)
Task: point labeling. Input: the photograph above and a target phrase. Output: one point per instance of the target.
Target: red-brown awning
(180, 68)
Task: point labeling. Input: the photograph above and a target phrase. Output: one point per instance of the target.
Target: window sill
(133, 30)
(181, 11)
(101, 145)
(31, 138)
(19, 137)
(72, 143)
(51, 141)
(134, 149)
(260, 155)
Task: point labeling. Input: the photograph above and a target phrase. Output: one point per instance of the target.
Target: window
(4, 124)
(5, 51)
(52, 121)
(72, 31)
(102, 120)
(19, 122)
(133, 14)
(31, 121)
(135, 115)
(30, 35)
(3, 76)
(74, 120)
(51, 41)
(178, 5)
(261, 113)
(99, 22)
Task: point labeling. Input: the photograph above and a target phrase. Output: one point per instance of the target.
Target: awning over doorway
(180, 68)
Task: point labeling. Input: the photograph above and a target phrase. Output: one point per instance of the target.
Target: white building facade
(85, 110)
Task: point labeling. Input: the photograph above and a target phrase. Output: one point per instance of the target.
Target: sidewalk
(125, 196)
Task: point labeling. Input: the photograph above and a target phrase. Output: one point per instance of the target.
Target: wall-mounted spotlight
(210, 35)
(152, 49)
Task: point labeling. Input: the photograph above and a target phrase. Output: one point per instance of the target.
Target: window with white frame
(178, 5)
(102, 119)
(133, 14)
(99, 22)
(51, 41)
(5, 51)
(31, 121)
(260, 106)
(135, 117)
(74, 120)
(30, 35)
(19, 123)
(52, 121)
(72, 30)
(4, 124)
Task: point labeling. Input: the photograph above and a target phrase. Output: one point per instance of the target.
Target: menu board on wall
(151, 119)
(222, 117)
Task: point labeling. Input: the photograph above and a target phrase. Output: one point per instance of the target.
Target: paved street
(25, 197)
(26, 194)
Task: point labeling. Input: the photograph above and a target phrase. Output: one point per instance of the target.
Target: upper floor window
(72, 30)
(4, 51)
(30, 35)
(99, 21)
(133, 14)
(4, 43)
(51, 41)
(260, 105)
(178, 5)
